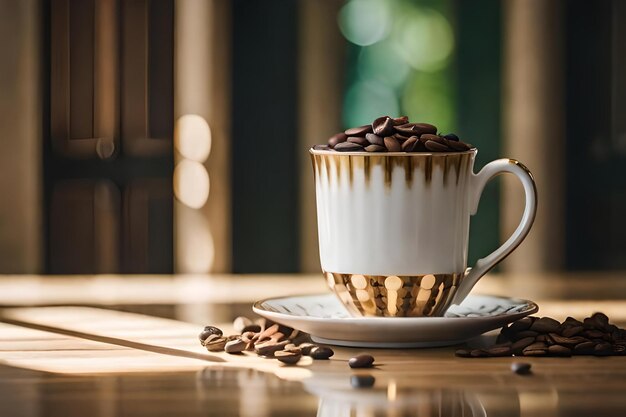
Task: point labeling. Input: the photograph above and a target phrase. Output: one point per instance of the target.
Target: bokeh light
(192, 137)
(191, 183)
(424, 38)
(365, 22)
(367, 100)
(383, 63)
(428, 97)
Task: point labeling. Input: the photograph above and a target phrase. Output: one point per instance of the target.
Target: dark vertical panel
(478, 67)
(265, 172)
(81, 68)
(161, 69)
(595, 177)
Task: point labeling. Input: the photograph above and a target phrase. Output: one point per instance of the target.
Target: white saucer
(327, 321)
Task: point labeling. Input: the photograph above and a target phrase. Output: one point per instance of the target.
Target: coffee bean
(463, 353)
(392, 144)
(519, 345)
(520, 325)
(571, 321)
(542, 338)
(409, 144)
(451, 137)
(572, 331)
(558, 350)
(400, 120)
(215, 344)
(337, 139)
(321, 147)
(593, 334)
(478, 353)
(288, 357)
(321, 352)
(235, 346)
(208, 331)
(358, 140)
(603, 349)
(268, 332)
(567, 341)
(421, 128)
(584, 348)
(536, 352)
(361, 361)
(433, 146)
(400, 138)
(499, 351)
(348, 147)
(545, 325)
(362, 381)
(375, 148)
(524, 334)
(375, 139)
(521, 368)
(268, 348)
(359, 131)
(306, 348)
(383, 126)
(428, 136)
(458, 146)
(619, 349)
(407, 129)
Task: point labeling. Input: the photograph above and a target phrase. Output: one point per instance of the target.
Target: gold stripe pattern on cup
(336, 164)
(426, 295)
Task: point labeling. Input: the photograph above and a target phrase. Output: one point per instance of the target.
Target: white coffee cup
(393, 228)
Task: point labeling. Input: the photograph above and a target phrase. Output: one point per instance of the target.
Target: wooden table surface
(127, 345)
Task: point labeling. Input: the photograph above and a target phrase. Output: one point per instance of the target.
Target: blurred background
(171, 136)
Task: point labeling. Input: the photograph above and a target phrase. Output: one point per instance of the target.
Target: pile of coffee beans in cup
(545, 336)
(394, 134)
(264, 338)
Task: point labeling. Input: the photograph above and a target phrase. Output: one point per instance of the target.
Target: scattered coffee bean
(463, 353)
(288, 357)
(215, 344)
(399, 130)
(362, 381)
(558, 350)
(359, 131)
(478, 353)
(545, 325)
(208, 331)
(361, 361)
(306, 348)
(545, 336)
(521, 368)
(321, 352)
(603, 349)
(348, 147)
(572, 331)
(499, 351)
(235, 346)
(270, 347)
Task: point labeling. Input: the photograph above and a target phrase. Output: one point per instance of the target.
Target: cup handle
(477, 186)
